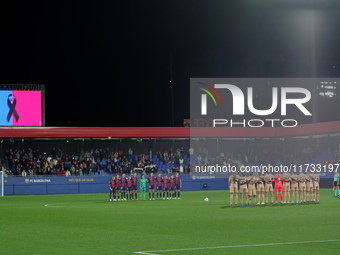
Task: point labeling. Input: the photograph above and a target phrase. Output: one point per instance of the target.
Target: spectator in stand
(120, 163)
(39, 170)
(120, 153)
(178, 152)
(35, 170)
(166, 156)
(109, 165)
(96, 154)
(104, 162)
(62, 172)
(115, 160)
(73, 170)
(67, 173)
(19, 170)
(24, 173)
(181, 161)
(43, 170)
(199, 159)
(49, 158)
(60, 163)
(101, 169)
(172, 157)
(85, 169)
(55, 162)
(90, 168)
(124, 160)
(81, 170)
(51, 164)
(125, 169)
(206, 161)
(77, 169)
(130, 153)
(82, 152)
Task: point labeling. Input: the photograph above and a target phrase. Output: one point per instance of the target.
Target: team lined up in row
(307, 184)
(128, 187)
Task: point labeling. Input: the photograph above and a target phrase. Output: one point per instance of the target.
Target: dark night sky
(106, 63)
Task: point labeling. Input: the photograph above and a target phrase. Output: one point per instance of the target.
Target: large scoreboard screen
(22, 105)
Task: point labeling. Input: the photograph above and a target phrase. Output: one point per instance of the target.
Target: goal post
(2, 184)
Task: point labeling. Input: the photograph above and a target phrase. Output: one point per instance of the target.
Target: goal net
(2, 187)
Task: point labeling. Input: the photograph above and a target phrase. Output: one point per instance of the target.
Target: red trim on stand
(121, 132)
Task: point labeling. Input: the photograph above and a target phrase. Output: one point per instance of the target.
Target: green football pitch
(90, 224)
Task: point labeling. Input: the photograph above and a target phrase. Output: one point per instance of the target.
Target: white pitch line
(145, 253)
(232, 246)
(56, 205)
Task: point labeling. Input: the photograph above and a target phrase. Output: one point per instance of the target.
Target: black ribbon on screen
(12, 108)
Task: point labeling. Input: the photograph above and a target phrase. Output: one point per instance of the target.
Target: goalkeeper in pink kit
(278, 178)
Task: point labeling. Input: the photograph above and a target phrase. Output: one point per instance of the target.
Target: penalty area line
(231, 246)
(144, 253)
(55, 205)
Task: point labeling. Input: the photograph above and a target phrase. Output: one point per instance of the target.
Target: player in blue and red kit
(112, 188)
(117, 187)
(159, 186)
(122, 187)
(171, 185)
(151, 187)
(178, 185)
(134, 186)
(129, 188)
(165, 182)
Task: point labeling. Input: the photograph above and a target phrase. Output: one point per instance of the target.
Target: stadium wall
(92, 184)
(100, 184)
